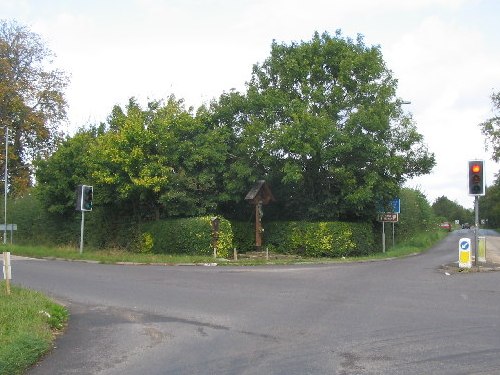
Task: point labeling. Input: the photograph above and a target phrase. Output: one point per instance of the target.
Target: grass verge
(105, 255)
(416, 244)
(28, 321)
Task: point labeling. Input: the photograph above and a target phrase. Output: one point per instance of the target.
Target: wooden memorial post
(259, 195)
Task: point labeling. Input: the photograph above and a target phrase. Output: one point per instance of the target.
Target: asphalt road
(403, 316)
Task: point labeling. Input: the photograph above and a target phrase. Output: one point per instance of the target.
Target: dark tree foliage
(321, 122)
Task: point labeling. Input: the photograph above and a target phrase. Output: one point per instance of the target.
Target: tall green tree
(159, 161)
(32, 102)
(321, 121)
(416, 214)
(451, 211)
(58, 176)
(491, 127)
(489, 205)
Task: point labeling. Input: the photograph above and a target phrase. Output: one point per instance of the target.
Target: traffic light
(87, 195)
(84, 196)
(476, 177)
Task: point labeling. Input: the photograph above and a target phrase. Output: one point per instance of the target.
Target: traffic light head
(87, 196)
(476, 177)
(84, 197)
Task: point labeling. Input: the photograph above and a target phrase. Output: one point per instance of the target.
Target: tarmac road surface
(403, 316)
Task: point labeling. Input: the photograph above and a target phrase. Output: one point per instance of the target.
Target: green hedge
(243, 235)
(313, 239)
(191, 236)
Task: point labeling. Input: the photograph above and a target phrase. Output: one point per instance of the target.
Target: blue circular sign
(464, 245)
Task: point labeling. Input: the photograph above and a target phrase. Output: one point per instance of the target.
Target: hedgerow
(192, 236)
(313, 239)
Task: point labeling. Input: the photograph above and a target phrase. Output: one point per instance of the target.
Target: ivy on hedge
(192, 236)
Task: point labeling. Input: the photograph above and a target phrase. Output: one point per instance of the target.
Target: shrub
(244, 235)
(143, 243)
(318, 239)
(191, 236)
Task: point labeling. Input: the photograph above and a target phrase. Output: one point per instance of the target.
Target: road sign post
(387, 217)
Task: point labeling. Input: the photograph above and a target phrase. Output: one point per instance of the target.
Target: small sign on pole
(7, 273)
(464, 253)
(388, 217)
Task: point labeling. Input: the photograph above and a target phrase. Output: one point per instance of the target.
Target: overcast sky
(444, 53)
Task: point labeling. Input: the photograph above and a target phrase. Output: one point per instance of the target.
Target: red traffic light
(476, 177)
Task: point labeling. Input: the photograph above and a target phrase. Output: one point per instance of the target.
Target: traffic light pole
(476, 228)
(81, 232)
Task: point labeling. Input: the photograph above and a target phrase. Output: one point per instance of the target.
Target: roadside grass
(107, 256)
(28, 323)
(416, 244)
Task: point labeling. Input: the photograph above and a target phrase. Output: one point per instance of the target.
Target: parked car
(446, 226)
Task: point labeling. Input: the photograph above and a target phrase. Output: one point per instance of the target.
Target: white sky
(445, 54)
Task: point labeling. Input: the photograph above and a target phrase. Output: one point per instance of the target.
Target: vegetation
(451, 211)
(320, 121)
(415, 244)
(320, 239)
(489, 205)
(32, 102)
(107, 255)
(491, 127)
(190, 236)
(28, 321)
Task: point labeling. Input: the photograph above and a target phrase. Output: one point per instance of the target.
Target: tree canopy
(491, 127)
(319, 120)
(451, 211)
(32, 102)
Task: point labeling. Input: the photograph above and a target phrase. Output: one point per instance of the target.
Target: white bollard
(481, 249)
(7, 274)
(464, 253)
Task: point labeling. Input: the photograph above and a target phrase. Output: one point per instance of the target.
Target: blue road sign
(393, 206)
(464, 245)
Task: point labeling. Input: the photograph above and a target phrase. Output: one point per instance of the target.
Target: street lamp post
(5, 179)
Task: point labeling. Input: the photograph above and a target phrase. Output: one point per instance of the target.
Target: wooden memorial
(259, 195)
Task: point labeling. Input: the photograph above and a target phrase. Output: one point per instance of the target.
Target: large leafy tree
(159, 161)
(490, 203)
(32, 102)
(321, 121)
(491, 127)
(449, 210)
(58, 176)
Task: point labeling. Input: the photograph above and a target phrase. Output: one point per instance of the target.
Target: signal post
(476, 189)
(84, 197)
